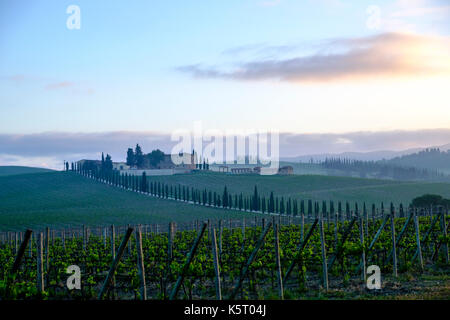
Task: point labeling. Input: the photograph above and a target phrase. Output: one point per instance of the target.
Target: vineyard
(262, 258)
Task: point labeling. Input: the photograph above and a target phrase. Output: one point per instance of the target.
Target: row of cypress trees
(254, 202)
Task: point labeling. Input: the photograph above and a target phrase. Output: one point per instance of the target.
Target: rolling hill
(63, 199)
(14, 170)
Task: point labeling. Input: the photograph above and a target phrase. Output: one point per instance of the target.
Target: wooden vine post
(30, 247)
(47, 247)
(324, 254)
(114, 265)
(419, 248)
(444, 234)
(277, 259)
(336, 227)
(363, 253)
(302, 226)
(220, 235)
(189, 259)
(340, 248)
(244, 271)
(40, 264)
(170, 243)
(21, 251)
(394, 245)
(216, 264)
(427, 234)
(140, 264)
(300, 248)
(375, 238)
(113, 254)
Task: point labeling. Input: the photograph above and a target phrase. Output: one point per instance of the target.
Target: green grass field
(13, 170)
(61, 199)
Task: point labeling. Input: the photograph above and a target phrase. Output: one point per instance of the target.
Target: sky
(318, 68)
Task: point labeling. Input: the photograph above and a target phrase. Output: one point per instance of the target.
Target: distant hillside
(14, 170)
(431, 159)
(362, 156)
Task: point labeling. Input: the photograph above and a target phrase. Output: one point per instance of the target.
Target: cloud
(59, 85)
(52, 148)
(49, 84)
(381, 56)
(419, 8)
(413, 15)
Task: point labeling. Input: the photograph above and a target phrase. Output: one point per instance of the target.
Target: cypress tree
(271, 203)
(225, 197)
(347, 210)
(241, 202)
(310, 209)
(144, 182)
(255, 199)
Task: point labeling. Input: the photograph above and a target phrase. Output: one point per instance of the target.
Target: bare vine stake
(366, 218)
(113, 255)
(336, 226)
(427, 234)
(30, 247)
(250, 260)
(394, 249)
(402, 233)
(302, 226)
(16, 242)
(115, 263)
(328, 221)
(220, 236)
(419, 248)
(129, 244)
(190, 257)
(170, 242)
(324, 255)
(363, 253)
(140, 264)
(216, 264)
(377, 235)
(444, 234)
(341, 246)
(277, 257)
(300, 248)
(40, 264)
(21, 251)
(104, 237)
(47, 248)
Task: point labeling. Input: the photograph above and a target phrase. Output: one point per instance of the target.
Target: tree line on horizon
(379, 169)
